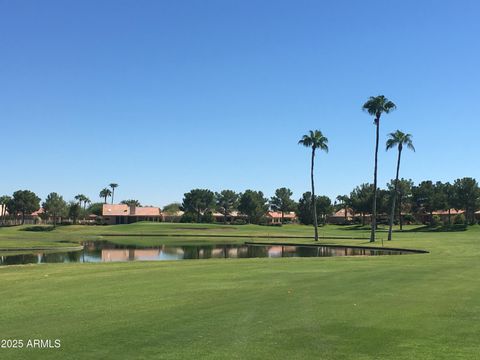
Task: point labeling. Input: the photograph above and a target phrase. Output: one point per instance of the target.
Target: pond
(103, 251)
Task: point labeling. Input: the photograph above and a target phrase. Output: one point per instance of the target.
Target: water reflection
(107, 252)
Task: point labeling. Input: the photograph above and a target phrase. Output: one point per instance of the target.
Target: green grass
(423, 306)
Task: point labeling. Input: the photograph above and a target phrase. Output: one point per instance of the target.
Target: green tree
(344, 202)
(397, 139)
(172, 209)
(227, 201)
(80, 198)
(305, 208)
(131, 202)
(451, 200)
(254, 205)
(468, 197)
(428, 197)
(105, 193)
(376, 106)
(54, 207)
(324, 208)
(404, 196)
(314, 140)
(282, 201)
(95, 209)
(24, 202)
(361, 200)
(113, 186)
(4, 201)
(74, 211)
(198, 201)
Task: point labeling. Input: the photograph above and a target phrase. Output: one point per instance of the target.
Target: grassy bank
(393, 307)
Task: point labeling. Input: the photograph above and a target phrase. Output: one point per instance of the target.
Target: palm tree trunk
(374, 206)
(400, 220)
(113, 194)
(314, 202)
(394, 195)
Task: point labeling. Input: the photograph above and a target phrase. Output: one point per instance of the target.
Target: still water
(102, 251)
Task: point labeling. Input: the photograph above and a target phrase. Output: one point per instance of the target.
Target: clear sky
(165, 96)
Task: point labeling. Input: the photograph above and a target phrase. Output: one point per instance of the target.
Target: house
(339, 217)
(275, 217)
(442, 214)
(172, 216)
(127, 214)
(231, 217)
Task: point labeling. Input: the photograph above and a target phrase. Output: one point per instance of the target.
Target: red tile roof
(341, 213)
(278, 214)
(445, 212)
(124, 210)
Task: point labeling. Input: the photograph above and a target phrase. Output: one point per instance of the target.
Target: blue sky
(165, 96)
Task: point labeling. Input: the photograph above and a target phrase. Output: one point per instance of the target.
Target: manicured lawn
(423, 306)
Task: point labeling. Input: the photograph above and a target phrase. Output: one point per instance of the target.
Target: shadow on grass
(424, 228)
(354, 227)
(38, 228)
(442, 228)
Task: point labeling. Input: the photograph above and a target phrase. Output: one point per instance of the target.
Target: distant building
(172, 216)
(339, 217)
(127, 214)
(231, 217)
(275, 217)
(442, 214)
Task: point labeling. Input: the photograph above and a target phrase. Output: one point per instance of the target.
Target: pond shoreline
(419, 251)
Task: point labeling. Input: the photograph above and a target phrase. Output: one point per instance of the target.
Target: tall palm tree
(105, 193)
(113, 186)
(376, 106)
(315, 140)
(86, 201)
(80, 198)
(397, 139)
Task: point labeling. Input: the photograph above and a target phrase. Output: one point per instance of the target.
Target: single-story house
(172, 216)
(231, 217)
(127, 214)
(275, 217)
(442, 214)
(339, 217)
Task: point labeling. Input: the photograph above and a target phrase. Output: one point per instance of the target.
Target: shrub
(459, 219)
(188, 217)
(409, 219)
(239, 222)
(207, 218)
(436, 220)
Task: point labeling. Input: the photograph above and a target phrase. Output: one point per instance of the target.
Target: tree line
(413, 200)
(23, 203)
(200, 204)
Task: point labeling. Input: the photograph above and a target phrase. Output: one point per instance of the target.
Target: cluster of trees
(199, 204)
(423, 198)
(107, 192)
(23, 203)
